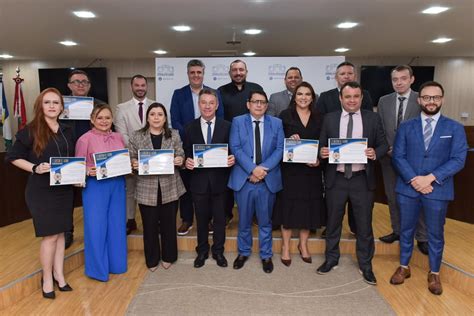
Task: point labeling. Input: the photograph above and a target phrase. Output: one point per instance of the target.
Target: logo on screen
(165, 72)
(219, 72)
(330, 71)
(276, 71)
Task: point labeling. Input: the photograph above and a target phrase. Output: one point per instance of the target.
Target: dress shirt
(197, 112)
(405, 103)
(95, 141)
(433, 123)
(204, 127)
(234, 101)
(260, 126)
(357, 132)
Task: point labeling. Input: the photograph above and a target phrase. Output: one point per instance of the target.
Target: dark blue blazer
(182, 108)
(445, 156)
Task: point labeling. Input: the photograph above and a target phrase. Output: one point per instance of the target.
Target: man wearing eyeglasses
(428, 151)
(394, 108)
(256, 140)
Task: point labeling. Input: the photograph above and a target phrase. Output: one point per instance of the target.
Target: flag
(6, 127)
(19, 103)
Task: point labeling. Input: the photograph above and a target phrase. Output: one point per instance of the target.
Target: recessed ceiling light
(347, 25)
(6, 56)
(68, 43)
(182, 28)
(442, 40)
(434, 10)
(341, 50)
(249, 53)
(252, 31)
(160, 52)
(84, 14)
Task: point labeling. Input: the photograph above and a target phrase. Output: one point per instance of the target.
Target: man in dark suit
(208, 185)
(184, 109)
(393, 109)
(353, 182)
(329, 101)
(256, 140)
(428, 151)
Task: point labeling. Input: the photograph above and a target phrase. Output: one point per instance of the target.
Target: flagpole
(19, 108)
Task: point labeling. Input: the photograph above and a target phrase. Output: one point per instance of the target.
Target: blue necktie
(209, 132)
(428, 132)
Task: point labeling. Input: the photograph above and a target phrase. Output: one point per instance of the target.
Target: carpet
(294, 290)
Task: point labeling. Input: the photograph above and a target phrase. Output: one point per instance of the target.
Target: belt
(354, 173)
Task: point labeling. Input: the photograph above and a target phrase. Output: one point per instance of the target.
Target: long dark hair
(167, 130)
(304, 84)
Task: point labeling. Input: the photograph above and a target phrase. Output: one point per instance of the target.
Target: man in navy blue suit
(428, 151)
(256, 140)
(185, 109)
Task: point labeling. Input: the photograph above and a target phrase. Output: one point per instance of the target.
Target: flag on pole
(19, 109)
(6, 126)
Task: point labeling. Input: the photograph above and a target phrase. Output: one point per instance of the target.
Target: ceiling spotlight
(341, 50)
(434, 10)
(442, 40)
(84, 14)
(252, 31)
(68, 43)
(347, 25)
(6, 56)
(249, 53)
(182, 28)
(160, 52)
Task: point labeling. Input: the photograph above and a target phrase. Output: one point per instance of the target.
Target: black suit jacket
(372, 130)
(329, 102)
(205, 180)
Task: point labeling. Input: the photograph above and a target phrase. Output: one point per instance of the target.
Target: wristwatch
(33, 170)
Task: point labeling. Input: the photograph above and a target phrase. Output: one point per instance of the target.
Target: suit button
(426, 156)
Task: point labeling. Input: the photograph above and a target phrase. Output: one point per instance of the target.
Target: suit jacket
(329, 102)
(182, 108)
(203, 179)
(242, 146)
(387, 108)
(278, 102)
(444, 158)
(171, 185)
(372, 129)
(127, 120)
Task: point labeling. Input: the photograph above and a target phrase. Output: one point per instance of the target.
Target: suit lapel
(392, 115)
(267, 127)
(336, 101)
(134, 110)
(419, 131)
(216, 135)
(189, 98)
(198, 131)
(412, 106)
(436, 133)
(249, 129)
(365, 125)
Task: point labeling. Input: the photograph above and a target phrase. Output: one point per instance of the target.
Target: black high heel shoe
(66, 288)
(305, 259)
(50, 295)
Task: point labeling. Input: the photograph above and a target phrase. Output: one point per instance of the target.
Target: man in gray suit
(393, 109)
(131, 116)
(280, 100)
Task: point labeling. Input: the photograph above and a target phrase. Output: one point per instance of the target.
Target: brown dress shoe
(434, 284)
(400, 275)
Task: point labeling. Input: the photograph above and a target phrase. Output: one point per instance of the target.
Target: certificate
(112, 164)
(77, 108)
(347, 150)
(300, 151)
(155, 161)
(67, 170)
(210, 156)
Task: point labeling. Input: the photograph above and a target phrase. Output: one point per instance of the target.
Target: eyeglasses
(428, 98)
(80, 82)
(261, 102)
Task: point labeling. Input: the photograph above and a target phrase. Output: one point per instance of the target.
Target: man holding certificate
(208, 185)
(351, 181)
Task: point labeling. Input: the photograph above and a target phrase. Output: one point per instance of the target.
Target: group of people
(419, 158)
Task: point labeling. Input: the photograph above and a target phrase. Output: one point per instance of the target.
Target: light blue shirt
(197, 112)
(261, 120)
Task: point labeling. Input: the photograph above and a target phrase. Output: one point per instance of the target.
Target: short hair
(345, 63)
(403, 67)
(195, 63)
(350, 84)
(138, 76)
(238, 61)
(77, 72)
(431, 84)
(293, 68)
(208, 91)
(261, 92)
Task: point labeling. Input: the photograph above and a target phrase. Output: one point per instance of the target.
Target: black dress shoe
(369, 276)
(267, 265)
(66, 288)
(240, 261)
(423, 246)
(326, 267)
(390, 238)
(220, 260)
(68, 239)
(200, 260)
(50, 295)
(131, 226)
(323, 234)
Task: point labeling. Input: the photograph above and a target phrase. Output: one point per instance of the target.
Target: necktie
(140, 111)
(428, 132)
(348, 166)
(400, 110)
(209, 132)
(258, 146)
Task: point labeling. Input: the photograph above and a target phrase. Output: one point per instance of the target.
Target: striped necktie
(428, 132)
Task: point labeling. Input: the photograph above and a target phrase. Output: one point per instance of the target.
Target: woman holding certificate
(299, 205)
(50, 206)
(105, 240)
(158, 194)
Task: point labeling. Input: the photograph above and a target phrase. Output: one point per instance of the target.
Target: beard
(430, 112)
